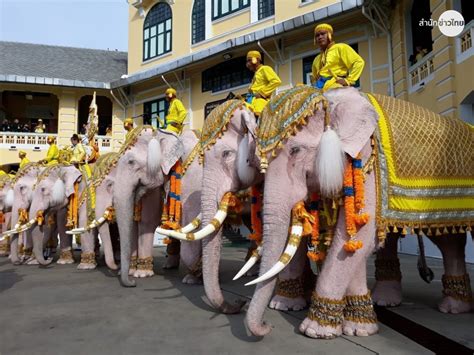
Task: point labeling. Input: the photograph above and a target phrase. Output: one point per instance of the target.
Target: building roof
(63, 66)
(307, 19)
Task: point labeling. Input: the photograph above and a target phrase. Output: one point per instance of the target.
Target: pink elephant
(227, 137)
(311, 161)
(22, 197)
(6, 203)
(142, 171)
(52, 192)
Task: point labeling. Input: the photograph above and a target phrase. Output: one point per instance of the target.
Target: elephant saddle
(425, 168)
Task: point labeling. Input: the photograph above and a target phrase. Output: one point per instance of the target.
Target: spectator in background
(5, 125)
(39, 127)
(83, 128)
(108, 131)
(26, 128)
(15, 127)
(420, 53)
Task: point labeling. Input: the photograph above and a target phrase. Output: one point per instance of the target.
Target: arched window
(199, 21)
(266, 8)
(221, 8)
(157, 31)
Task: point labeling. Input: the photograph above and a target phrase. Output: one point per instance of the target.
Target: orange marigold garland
(256, 214)
(354, 202)
(171, 217)
(315, 249)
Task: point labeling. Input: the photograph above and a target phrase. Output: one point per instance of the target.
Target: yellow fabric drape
(176, 116)
(338, 61)
(73, 209)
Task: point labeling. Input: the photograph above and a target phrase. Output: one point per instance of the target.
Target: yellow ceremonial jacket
(78, 154)
(338, 61)
(176, 116)
(264, 82)
(24, 161)
(53, 155)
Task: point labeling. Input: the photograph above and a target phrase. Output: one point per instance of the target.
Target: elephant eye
(294, 150)
(131, 162)
(226, 153)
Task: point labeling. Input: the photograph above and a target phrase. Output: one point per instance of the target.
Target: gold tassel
(468, 228)
(395, 229)
(404, 231)
(438, 232)
(445, 230)
(454, 231)
(429, 233)
(461, 230)
(420, 232)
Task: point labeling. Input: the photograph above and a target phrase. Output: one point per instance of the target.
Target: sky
(99, 24)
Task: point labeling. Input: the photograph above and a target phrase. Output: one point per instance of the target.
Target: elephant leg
(289, 294)
(30, 258)
(105, 237)
(173, 251)
(146, 231)
(65, 240)
(14, 252)
(457, 293)
(387, 290)
(359, 315)
(340, 270)
(88, 259)
(192, 259)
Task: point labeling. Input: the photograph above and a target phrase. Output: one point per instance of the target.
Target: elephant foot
(65, 258)
(359, 316)
(131, 272)
(16, 262)
(457, 294)
(359, 329)
(387, 293)
(143, 273)
(31, 261)
(172, 262)
(455, 306)
(315, 330)
(282, 303)
(190, 279)
(86, 266)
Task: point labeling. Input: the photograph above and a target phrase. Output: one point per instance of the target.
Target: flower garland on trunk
(316, 250)
(354, 203)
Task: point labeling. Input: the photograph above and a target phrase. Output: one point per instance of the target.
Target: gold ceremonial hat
(254, 54)
(323, 26)
(170, 92)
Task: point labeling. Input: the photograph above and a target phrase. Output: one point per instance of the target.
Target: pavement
(61, 310)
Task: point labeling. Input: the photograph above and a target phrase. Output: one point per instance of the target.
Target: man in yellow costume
(23, 159)
(52, 156)
(337, 65)
(79, 156)
(128, 126)
(176, 112)
(265, 81)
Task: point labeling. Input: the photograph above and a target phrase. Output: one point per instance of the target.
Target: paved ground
(65, 311)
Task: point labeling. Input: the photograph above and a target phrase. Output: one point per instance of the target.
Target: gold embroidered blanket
(425, 167)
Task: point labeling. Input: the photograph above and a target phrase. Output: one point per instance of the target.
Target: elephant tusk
(285, 258)
(195, 223)
(94, 224)
(214, 225)
(12, 231)
(28, 225)
(256, 254)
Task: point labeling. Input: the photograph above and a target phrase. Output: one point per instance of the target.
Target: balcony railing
(15, 139)
(464, 48)
(104, 143)
(422, 72)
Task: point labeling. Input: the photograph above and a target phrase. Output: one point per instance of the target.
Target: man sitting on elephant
(176, 112)
(337, 65)
(79, 156)
(52, 156)
(265, 81)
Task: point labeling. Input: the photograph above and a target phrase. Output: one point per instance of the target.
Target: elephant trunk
(211, 250)
(275, 231)
(108, 250)
(38, 244)
(14, 237)
(124, 202)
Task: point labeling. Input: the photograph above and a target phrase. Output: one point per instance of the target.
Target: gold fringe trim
(145, 263)
(359, 309)
(291, 288)
(457, 287)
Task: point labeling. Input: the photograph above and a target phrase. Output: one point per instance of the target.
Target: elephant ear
(353, 118)
(71, 176)
(172, 150)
